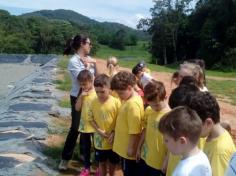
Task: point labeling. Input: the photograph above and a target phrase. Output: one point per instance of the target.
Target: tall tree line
(180, 31)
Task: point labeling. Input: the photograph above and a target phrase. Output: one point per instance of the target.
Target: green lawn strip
(223, 89)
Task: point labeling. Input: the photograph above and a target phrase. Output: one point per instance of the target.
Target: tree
(168, 17)
(118, 40)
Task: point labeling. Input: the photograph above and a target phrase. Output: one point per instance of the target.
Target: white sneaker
(63, 165)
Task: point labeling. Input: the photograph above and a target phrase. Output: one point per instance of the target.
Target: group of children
(131, 124)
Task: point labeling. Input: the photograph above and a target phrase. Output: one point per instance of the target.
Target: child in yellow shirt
(181, 128)
(179, 97)
(128, 124)
(151, 145)
(85, 79)
(219, 146)
(103, 114)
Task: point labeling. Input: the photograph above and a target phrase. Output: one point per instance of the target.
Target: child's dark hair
(136, 70)
(139, 67)
(174, 77)
(73, 44)
(181, 95)
(102, 80)
(188, 80)
(206, 106)
(122, 80)
(84, 76)
(154, 90)
(181, 121)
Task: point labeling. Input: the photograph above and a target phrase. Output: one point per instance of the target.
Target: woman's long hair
(73, 44)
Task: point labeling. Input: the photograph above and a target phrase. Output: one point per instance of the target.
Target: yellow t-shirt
(104, 114)
(219, 152)
(128, 122)
(154, 149)
(85, 126)
(114, 94)
(174, 159)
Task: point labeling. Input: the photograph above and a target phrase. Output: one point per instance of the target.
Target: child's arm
(111, 137)
(79, 102)
(100, 131)
(165, 163)
(132, 147)
(140, 144)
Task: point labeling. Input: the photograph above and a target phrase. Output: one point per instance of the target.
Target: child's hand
(84, 93)
(111, 137)
(90, 60)
(103, 133)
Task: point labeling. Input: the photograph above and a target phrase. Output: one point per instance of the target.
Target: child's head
(112, 65)
(188, 80)
(181, 95)
(175, 78)
(194, 70)
(102, 87)
(123, 83)
(139, 69)
(85, 79)
(181, 128)
(201, 63)
(154, 93)
(112, 61)
(208, 110)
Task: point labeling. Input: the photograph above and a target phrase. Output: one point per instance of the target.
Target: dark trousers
(130, 167)
(85, 145)
(146, 170)
(73, 133)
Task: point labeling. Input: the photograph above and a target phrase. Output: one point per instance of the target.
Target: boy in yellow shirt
(151, 145)
(181, 128)
(103, 114)
(128, 124)
(85, 79)
(179, 97)
(219, 146)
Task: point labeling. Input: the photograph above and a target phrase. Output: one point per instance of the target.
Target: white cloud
(123, 11)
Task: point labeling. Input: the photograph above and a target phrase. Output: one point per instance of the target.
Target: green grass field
(133, 54)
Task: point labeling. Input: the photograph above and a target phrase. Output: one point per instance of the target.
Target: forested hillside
(47, 31)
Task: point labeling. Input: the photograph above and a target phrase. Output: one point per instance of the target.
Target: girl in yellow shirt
(85, 79)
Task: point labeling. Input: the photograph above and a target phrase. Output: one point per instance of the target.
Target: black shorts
(147, 170)
(104, 155)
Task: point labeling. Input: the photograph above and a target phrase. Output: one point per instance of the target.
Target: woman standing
(80, 46)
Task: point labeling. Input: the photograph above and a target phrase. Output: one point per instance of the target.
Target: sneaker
(84, 172)
(63, 165)
(97, 172)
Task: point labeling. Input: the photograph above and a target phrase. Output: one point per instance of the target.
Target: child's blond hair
(194, 70)
(112, 66)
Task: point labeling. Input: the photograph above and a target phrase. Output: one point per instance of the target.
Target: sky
(127, 12)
